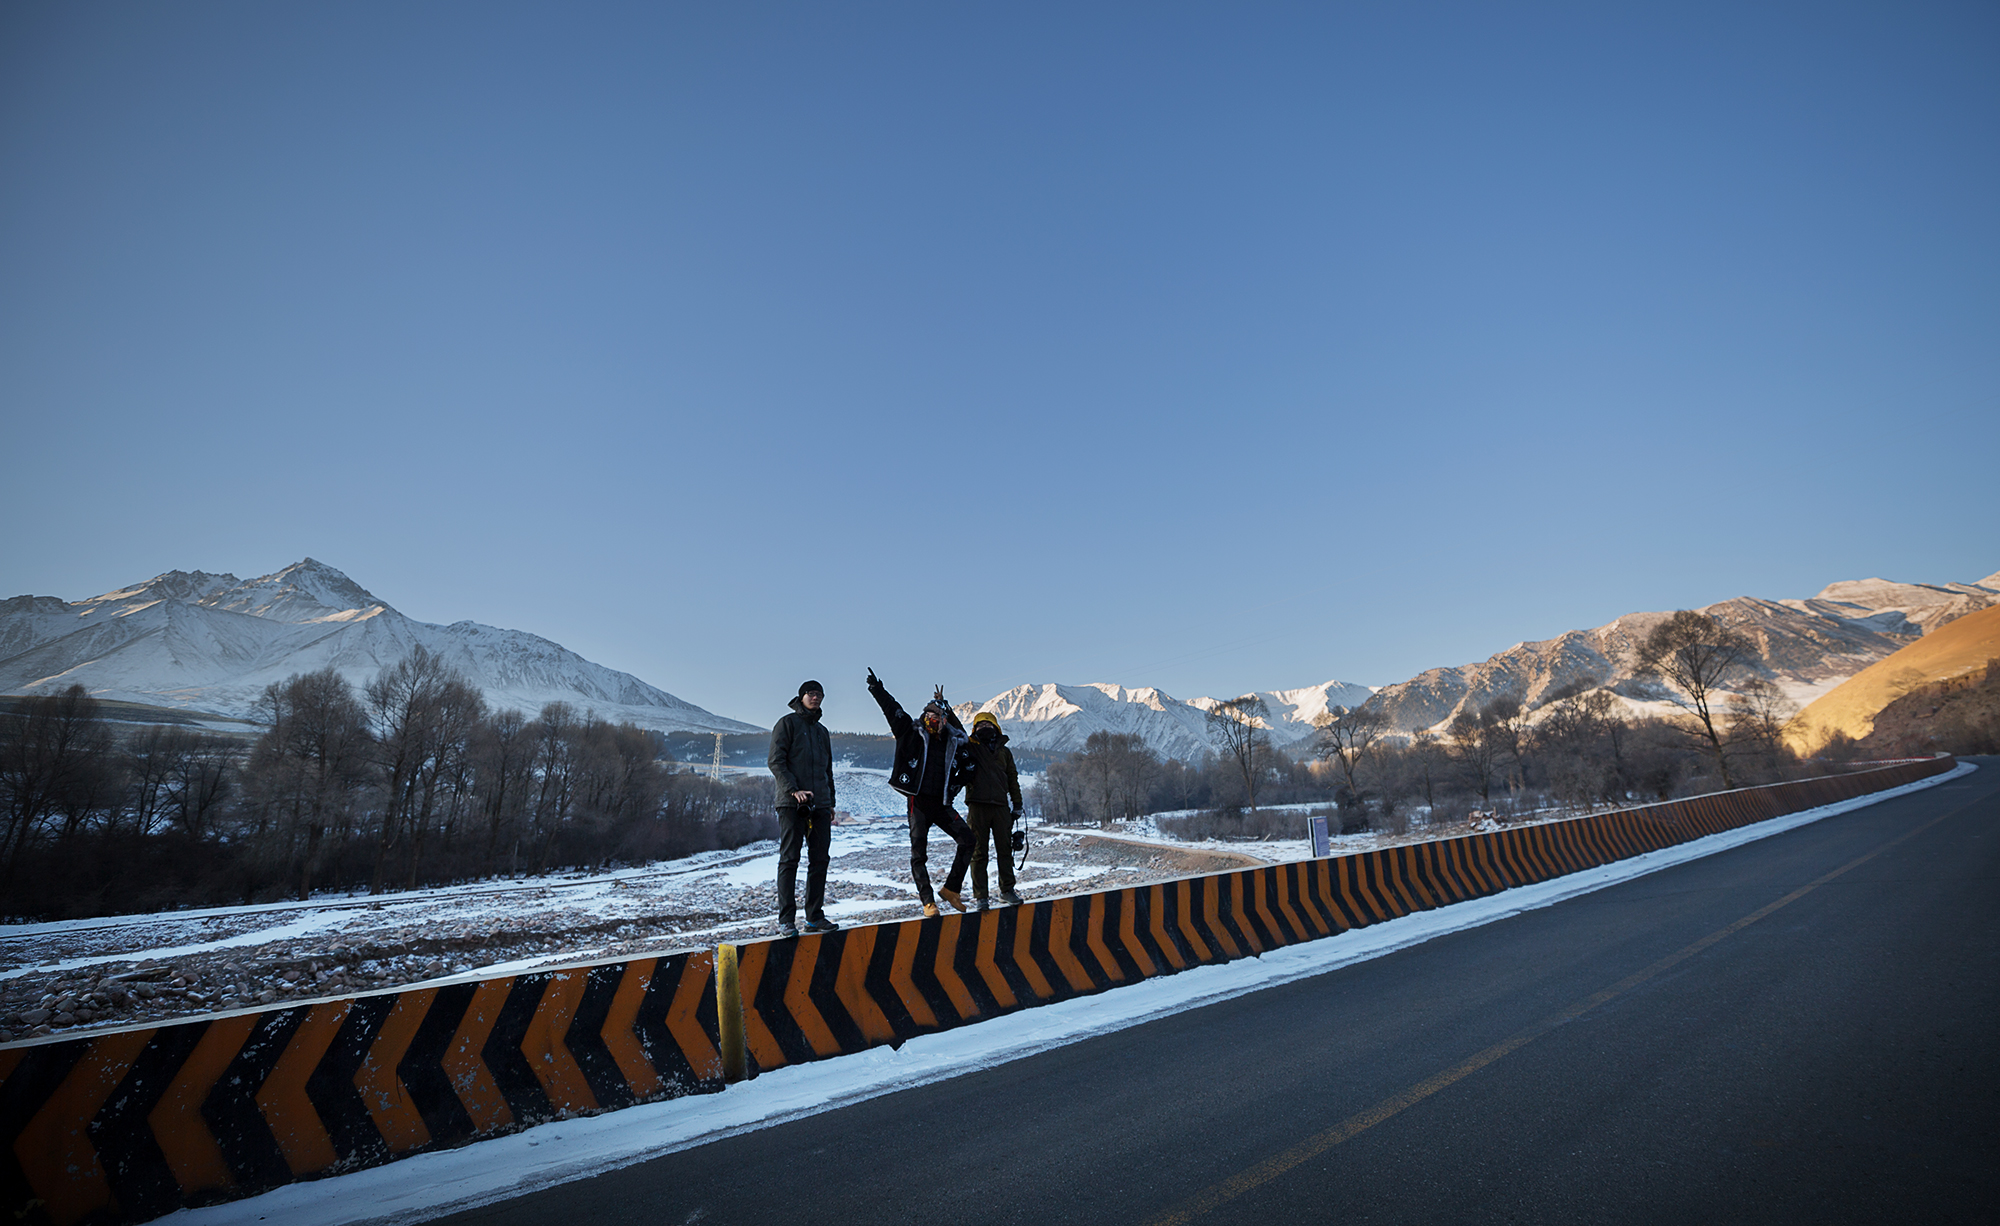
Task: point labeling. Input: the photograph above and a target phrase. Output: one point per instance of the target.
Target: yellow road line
(1361, 1121)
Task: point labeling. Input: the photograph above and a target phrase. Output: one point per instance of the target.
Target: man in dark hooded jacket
(801, 762)
(929, 768)
(992, 804)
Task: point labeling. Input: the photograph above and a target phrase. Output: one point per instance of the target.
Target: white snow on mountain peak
(308, 591)
(206, 642)
(1058, 718)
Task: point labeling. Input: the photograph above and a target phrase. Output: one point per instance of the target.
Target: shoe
(788, 930)
(1010, 898)
(979, 902)
(952, 897)
(930, 910)
(822, 924)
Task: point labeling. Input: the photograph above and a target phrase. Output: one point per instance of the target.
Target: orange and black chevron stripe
(136, 1123)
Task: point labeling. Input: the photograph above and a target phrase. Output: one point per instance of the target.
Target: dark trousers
(924, 814)
(994, 823)
(816, 836)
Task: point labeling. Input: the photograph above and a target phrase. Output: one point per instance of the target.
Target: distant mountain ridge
(206, 642)
(1059, 718)
(1807, 646)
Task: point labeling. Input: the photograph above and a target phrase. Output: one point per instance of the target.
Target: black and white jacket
(914, 747)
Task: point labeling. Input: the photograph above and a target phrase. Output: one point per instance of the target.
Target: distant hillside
(1807, 647)
(201, 642)
(1957, 649)
(1960, 715)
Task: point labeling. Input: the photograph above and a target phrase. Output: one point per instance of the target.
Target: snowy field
(77, 975)
(431, 1185)
(82, 974)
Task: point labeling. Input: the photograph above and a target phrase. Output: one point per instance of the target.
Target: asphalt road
(1805, 1029)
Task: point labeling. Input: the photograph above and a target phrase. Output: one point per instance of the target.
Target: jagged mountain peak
(306, 591)
(170, 585)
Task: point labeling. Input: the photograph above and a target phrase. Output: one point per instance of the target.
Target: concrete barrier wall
(134, 1123)
(821, 996)
(129, 1124)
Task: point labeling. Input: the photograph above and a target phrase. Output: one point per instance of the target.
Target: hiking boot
(788, 930)
(930, 910)
(822, 924)
(979, 902)
(1010, 898)
(952, 897)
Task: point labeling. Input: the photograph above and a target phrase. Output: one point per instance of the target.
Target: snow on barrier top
(130, 1124)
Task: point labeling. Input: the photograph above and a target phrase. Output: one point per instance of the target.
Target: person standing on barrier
(801, 762)
(992, 805)
(930, 768)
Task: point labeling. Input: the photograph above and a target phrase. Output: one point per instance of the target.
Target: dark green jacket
(801, 758)
(994, 780)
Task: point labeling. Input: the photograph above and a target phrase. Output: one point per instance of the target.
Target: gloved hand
(874, 682)
(1015, 814)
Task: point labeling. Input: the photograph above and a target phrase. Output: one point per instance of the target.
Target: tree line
(410, 780)
(1576, 748)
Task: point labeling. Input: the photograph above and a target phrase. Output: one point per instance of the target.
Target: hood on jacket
(798, 704)
(987, 717)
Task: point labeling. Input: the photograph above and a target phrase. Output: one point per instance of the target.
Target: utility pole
(715, 766)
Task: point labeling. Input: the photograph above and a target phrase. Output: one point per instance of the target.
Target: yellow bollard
(729, 1014)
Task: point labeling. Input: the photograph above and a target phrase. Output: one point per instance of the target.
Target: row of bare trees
(64, 771)
(409, 780)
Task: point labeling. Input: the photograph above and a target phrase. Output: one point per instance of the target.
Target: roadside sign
(1316, 831)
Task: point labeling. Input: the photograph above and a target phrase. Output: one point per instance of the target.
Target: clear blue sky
(1213, 347)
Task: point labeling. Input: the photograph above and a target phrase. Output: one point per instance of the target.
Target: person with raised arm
(930, 768)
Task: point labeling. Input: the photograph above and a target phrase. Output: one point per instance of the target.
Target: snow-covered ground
(76, 974)
(433, 1184)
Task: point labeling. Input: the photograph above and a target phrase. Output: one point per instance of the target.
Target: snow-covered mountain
(1808, 647)
(1060, 718)
(213, 642)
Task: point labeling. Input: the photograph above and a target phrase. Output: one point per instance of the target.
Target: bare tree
(1577, 742)
(308, 764)
(201, 774)
(1059, 795)
(1238, 728)
(1347, 736)
(410, 703)
(1758, 712)
(504, 774)
(555, 732)
(1114, 771)
(1507, 724)
(150, 757)
(1428, 754)
(44, 762)
(456, 709)
(1696, 657)
(1476, 747)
